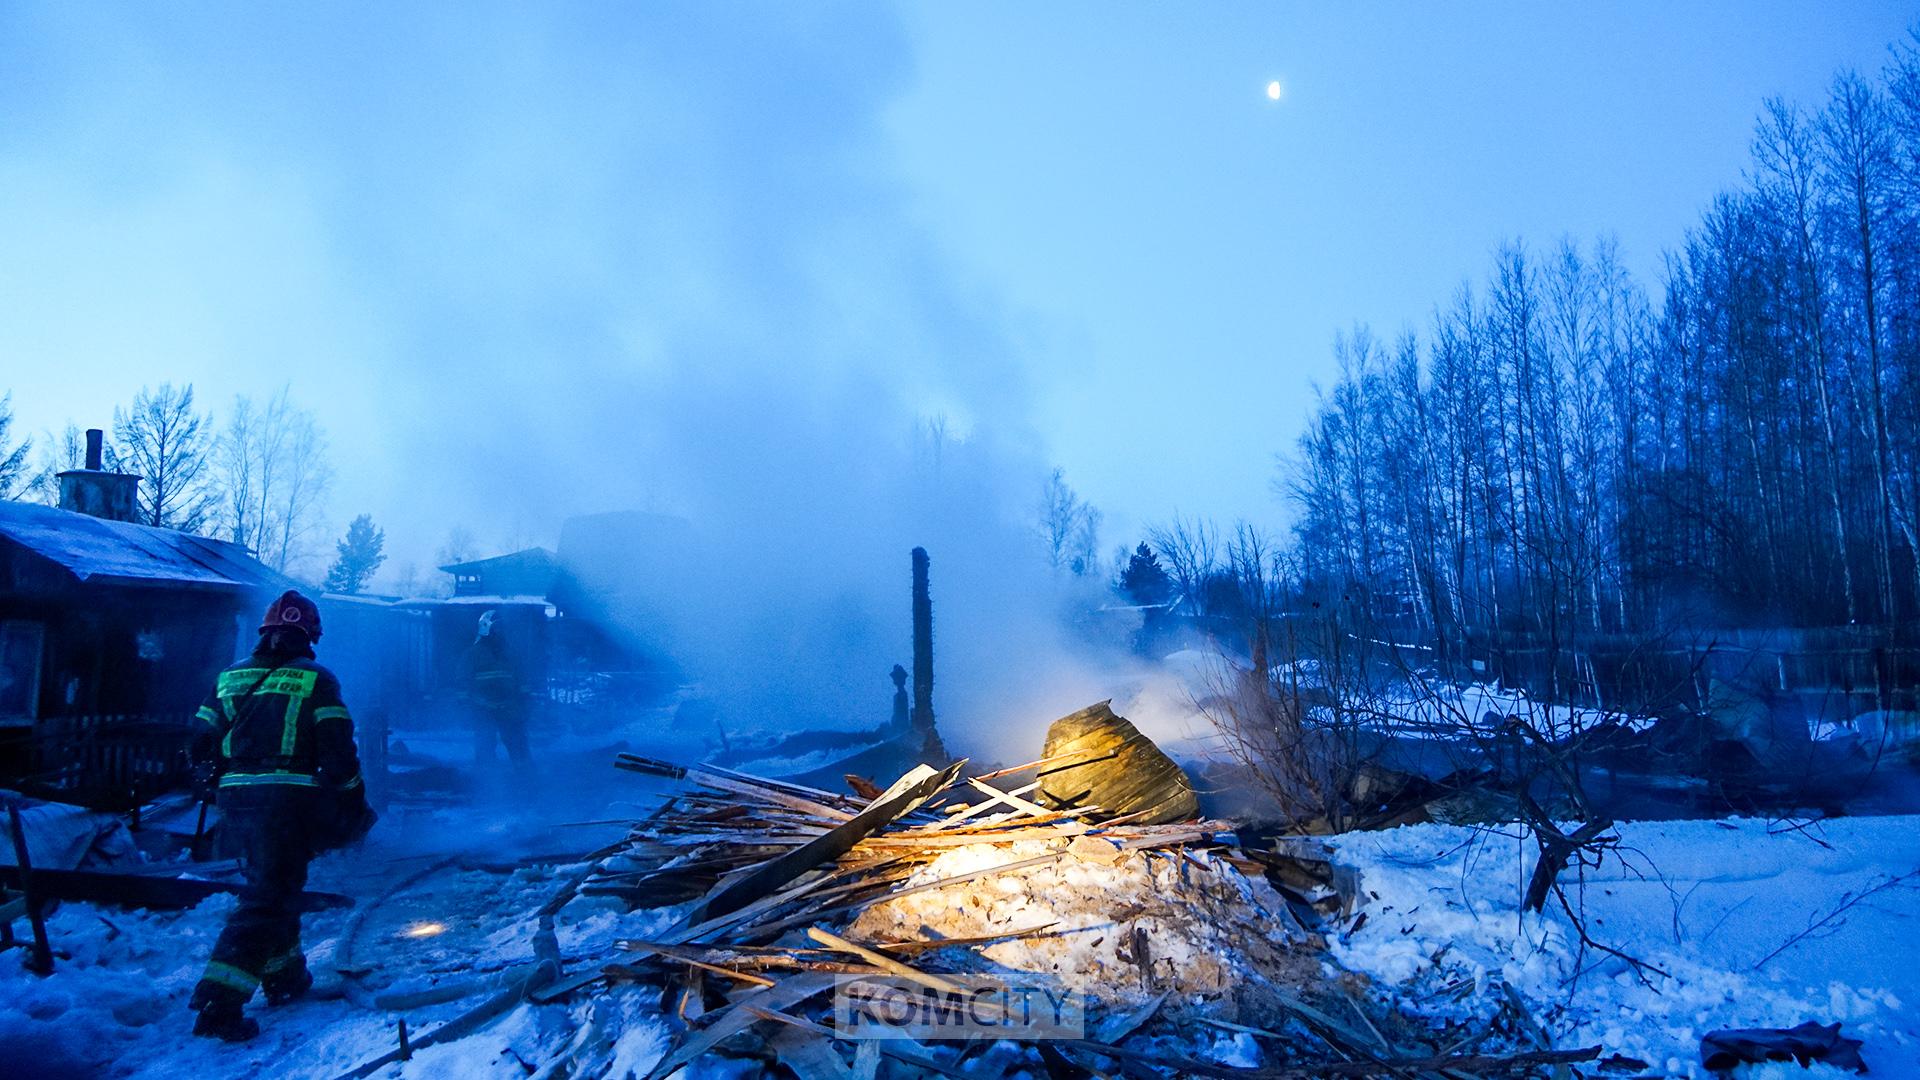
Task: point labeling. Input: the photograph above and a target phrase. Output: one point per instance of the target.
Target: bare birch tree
(169, 444)
(1068, 528)
(274, 478)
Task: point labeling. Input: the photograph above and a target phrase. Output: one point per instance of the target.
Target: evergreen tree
(1145, 581)
(362, 551)
(13, 461)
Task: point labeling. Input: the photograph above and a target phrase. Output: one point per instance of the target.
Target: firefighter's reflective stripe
(282, 777)
(290, 730)
(240, 681)
(298, 686)
(227, 975)
(293, 682)
(331, 712)
(207, 716)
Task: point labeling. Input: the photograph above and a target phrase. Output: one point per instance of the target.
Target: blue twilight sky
(730, 252)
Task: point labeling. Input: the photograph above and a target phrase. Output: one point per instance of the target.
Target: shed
(109, 616)
(111, 623)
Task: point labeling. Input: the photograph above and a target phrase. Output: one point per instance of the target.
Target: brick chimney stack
(95, 491)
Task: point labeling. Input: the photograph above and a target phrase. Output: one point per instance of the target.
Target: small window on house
(20, 647)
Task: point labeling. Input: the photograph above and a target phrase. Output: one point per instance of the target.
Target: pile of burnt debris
(928, 912)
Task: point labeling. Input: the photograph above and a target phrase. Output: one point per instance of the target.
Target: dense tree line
(1561, 456)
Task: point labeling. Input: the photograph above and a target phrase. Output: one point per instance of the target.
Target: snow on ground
(1168, 703)
(1707, 902)
(1454, 710)
(116, 1005)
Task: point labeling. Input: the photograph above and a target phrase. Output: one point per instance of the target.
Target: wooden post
(41, 960)
(197, 848)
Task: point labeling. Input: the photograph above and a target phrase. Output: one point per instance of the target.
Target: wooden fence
(111, 763)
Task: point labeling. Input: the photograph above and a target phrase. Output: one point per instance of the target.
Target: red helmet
(294, 612)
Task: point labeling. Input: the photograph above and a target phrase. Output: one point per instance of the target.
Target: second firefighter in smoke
(495, 691)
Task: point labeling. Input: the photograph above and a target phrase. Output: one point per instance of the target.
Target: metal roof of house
(118, 552)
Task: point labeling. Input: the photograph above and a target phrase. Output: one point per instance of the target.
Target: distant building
(581, 622)
(529, 573)
(514, 586)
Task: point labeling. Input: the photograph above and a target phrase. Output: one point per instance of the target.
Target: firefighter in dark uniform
(493, 685)
(275, 743)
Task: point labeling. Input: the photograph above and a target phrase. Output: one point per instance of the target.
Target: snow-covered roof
(494, 600)
(533, 558)
(96, 550)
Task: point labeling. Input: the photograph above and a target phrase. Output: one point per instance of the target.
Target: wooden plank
(726, 903)
(734, 1019)
(33, 891)
(885, 962)
(920, 945)
(693, 957)
(1014, 800)
(903, 797)
(144, 890)
(721, 780)
(995, 800)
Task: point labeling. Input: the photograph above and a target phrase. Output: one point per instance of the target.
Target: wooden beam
(40, 958)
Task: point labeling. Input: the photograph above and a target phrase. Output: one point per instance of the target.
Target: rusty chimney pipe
(96, 444)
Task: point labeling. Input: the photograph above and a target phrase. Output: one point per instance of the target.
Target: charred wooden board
(1103, 761)
(144, 890)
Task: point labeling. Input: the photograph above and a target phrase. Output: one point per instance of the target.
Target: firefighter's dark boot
(291, 986)
(224, 1020)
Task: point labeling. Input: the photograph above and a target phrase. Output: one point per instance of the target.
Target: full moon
(1273, 90)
